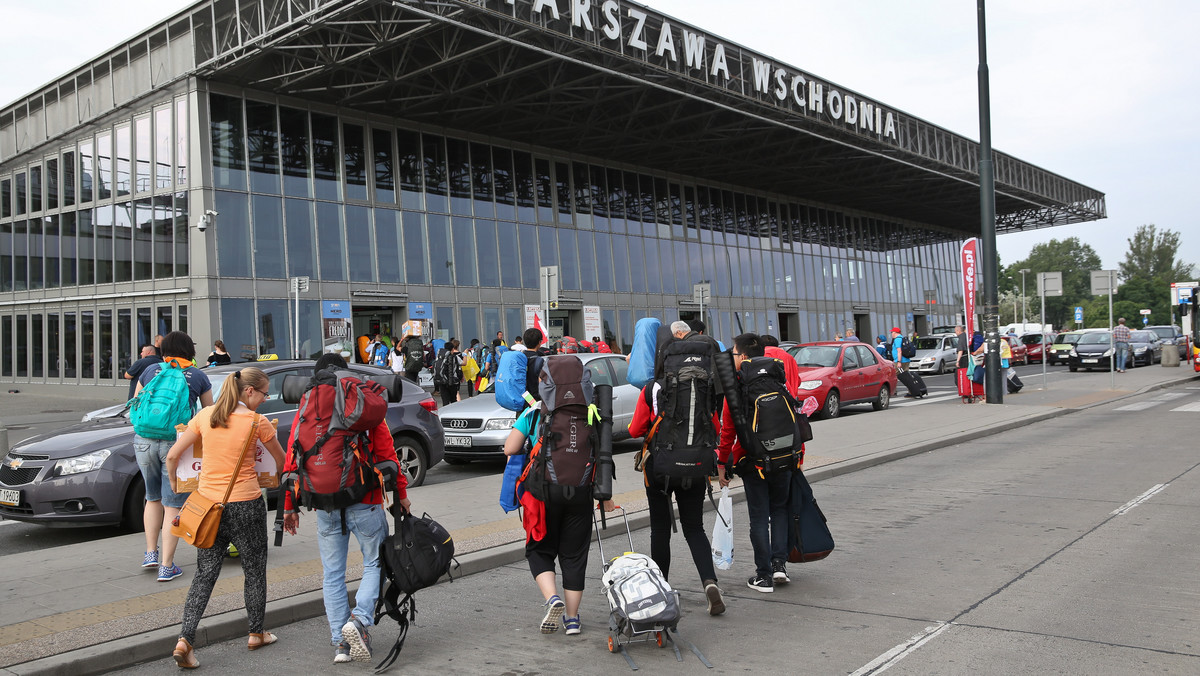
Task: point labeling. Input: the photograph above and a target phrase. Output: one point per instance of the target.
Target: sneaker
(342, 654)
(554, 610)
(762, 584)
(168, 573)
(355, 634)
(779, 573)
(150, 559)
(716, 604)
(572, 625)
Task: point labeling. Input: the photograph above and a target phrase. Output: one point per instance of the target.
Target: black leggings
(568, 537)
(245, 525)
(449, 393)
(690, 504)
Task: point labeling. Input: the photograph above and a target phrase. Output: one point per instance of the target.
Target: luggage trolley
(622, 630)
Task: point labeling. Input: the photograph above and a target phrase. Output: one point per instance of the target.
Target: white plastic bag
(722, 537)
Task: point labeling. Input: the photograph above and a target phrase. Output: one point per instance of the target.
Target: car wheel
(885, 396)
(833, 405)
(941, 368)
(413, 459)
(455, 461)
(1073, 368)
(134, 507)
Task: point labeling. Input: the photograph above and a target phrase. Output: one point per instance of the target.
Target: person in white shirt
(518, 344)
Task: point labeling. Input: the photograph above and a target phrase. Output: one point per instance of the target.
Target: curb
(158, 643)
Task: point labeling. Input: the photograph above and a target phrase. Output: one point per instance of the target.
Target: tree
(1151, 256)
(1075, 260)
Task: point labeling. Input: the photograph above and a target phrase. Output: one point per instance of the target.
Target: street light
(1023, 313)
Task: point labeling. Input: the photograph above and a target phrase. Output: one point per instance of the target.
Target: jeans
(1122, 355)
(691, 521)
(767, 506)
(151, 457)
(369, 525)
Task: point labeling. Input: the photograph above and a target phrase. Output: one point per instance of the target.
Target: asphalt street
(1066, 546)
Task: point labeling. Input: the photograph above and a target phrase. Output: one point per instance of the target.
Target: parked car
(1092, 350)
(475, 428)
(839, 374)
(86, 474)
(935, 354)
(1063, 342)
(1033, 345)
(1020, 355)
(1145, 347)
(1173, 335)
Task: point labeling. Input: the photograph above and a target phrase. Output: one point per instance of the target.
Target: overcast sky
(1103, 92)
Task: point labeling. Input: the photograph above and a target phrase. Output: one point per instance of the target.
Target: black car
(1093, 350)
(1172, 335)
(86, 474)
(1145, 347)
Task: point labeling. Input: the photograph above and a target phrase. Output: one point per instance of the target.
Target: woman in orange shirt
(224, 428)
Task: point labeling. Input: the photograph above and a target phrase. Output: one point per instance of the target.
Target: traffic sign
(299, 284)
(1144, 312)
(1050, 283)
(1104, 282)
(702, 293)
(1078, 314)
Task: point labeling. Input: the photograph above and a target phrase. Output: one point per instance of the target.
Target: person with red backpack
(314, 436)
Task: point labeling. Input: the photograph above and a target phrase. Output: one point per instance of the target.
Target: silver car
(475, 428)
(935, 354)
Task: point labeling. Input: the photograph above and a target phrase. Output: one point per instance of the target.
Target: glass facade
(418, 216)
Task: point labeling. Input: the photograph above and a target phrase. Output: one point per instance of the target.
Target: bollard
(1170, 355)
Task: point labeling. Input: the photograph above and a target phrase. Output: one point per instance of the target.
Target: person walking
(162, 502)
(413, 357)
(367, 521)
(224, 429)
(447, 372)
(881, 347)
(148, 357)
(218, 356)
(897, 343)
(396, 356)
(850, 337)
(1121, 337)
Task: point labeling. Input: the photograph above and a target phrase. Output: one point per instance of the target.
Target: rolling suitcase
(1014, 383)
(967, 389)
(914, 382)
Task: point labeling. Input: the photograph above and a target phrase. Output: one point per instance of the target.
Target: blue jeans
(151, 457)
(369, 525)
(767, 505)
(1122, 355)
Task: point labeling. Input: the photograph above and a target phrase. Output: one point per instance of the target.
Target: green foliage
(1151, 256)
(1075, 260)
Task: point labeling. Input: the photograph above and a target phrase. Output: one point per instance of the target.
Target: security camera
(206, 219)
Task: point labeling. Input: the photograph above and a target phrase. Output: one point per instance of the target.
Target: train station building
(414, 158)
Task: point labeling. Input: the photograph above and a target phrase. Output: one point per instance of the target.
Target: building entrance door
(862, 328)
(789, 326)
(921, 324)
(366, 321)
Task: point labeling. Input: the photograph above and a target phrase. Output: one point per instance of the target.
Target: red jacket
(382, 449)
(790, 369)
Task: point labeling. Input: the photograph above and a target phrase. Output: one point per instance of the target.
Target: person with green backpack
(166, 396)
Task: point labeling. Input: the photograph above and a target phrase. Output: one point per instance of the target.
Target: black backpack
(414, 353)
(684, 442)
(446, 368)
(777, 429)
(907, 349)
(562, 464)
(416, 556)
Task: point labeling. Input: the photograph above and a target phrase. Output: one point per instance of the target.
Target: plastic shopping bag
(722, 537)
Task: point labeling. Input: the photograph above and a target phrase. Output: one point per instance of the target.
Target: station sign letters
(634, 31)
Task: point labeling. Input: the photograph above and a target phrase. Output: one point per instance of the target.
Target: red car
(843, 373)
(1033, 346)
(1020, 353)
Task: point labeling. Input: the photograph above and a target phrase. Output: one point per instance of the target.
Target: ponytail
(231, 393)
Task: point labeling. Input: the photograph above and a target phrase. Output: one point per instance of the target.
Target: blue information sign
(420, 310)
(1078, 314)
(335, 309)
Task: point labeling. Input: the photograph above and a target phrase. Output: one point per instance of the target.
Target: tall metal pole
(993, 380)
(1024, 308)
(1042, 286)
(296, 289)
(1112, 345)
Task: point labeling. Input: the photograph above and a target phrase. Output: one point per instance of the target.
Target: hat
(895, 329)
(880, 337)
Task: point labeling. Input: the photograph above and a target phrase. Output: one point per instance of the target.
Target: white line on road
(923, 400)
(1167, 396)
(4, 522)
(891, 657)
(1193, 407)
(1123, 509)
(1137, 406)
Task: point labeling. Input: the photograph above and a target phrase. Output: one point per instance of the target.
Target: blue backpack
(162, 404)
(641, 357)
(511, 379)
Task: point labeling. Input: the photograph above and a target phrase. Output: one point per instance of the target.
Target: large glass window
(228, 142)
(123, 181)
(20, 260)
(568, 259)
(485, 254)
(481, 179)
(122, 242)
(127, 352)
(562, 186)
(87, 171)
(293, 147)
(514, 323)
(274, 327)
(237, 328)
(35, 188)
(301, 248)
(360, 241)
(384, 175)
(674, 279)
(163, 143)
(104, 226)
(523, 183)
(22, 351)
(233, 232)
(464, 246)
(458, 160)
(331, 239)
(53, 355)
(104, 350)
(22, 198)
(6, 198)
(68, 249)
(268, 236)
(52, 184)
(87, 246)
(163, 320)
(440, 259)
(163, 225)
(491, 324)
(327, 160)
(70, 345)
(410, 164)
(145, 326)
(587, 261)
(436, 181)
(545, 190)
(262, 145)
(637, 264)
(389, 245)
(355, 161)
(143, 239)
(620, 258)
(604, 262)
(6, 337)
(52, 252)
(528, 254)
(509, 256)
(87, 344)
(468, 325)
(444, 316)
(181, 143)
(36, 266)
(180, 218)
(414, 248)
(141, 150)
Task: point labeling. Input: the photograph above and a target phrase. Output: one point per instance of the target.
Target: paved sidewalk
(89, 608)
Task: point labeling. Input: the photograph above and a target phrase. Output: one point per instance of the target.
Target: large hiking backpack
(568, 345)
(415, 557)
(334, 464)
(162, 404)
(683, 441)
(641, 357)
(638, 591)
(562, 464)
(414, 353)
(776, 436)
(447, 369)
(516, 377)
(907, 348)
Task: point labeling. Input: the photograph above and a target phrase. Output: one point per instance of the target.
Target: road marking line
(891, 657)
(1123, 509)
(1193, 407)
(923, 400)
(5, 522)
(1167, 396)
(1138, 406)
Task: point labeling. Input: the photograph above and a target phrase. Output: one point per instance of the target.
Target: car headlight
(1073, 353)
(810, 384)
(499, 424)
(1140, 350)
(83, 463)
(1107, 353)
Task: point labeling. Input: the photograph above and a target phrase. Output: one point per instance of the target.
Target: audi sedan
(475, 428)
(86, 474)
(839, 374)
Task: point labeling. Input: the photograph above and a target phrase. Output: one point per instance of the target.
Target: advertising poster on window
(969, 257)
(336, 327)
(533, 318)
(592, 325)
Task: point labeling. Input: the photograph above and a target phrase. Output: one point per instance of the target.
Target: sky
(1103, 92)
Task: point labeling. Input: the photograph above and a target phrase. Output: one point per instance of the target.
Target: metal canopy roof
(501, 70)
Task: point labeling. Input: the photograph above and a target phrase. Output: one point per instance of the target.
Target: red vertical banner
(970, 259)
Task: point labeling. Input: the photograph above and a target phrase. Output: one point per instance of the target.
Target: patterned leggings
(245, 525)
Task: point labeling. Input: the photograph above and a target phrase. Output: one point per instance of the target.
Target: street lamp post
(1024, 314)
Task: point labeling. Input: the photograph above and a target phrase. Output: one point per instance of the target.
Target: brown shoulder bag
(200, 517)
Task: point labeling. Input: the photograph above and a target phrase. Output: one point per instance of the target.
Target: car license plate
(458, 441)
(1090, 361)
(8, 497)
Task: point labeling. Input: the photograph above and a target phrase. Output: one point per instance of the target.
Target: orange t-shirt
(222, 446)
